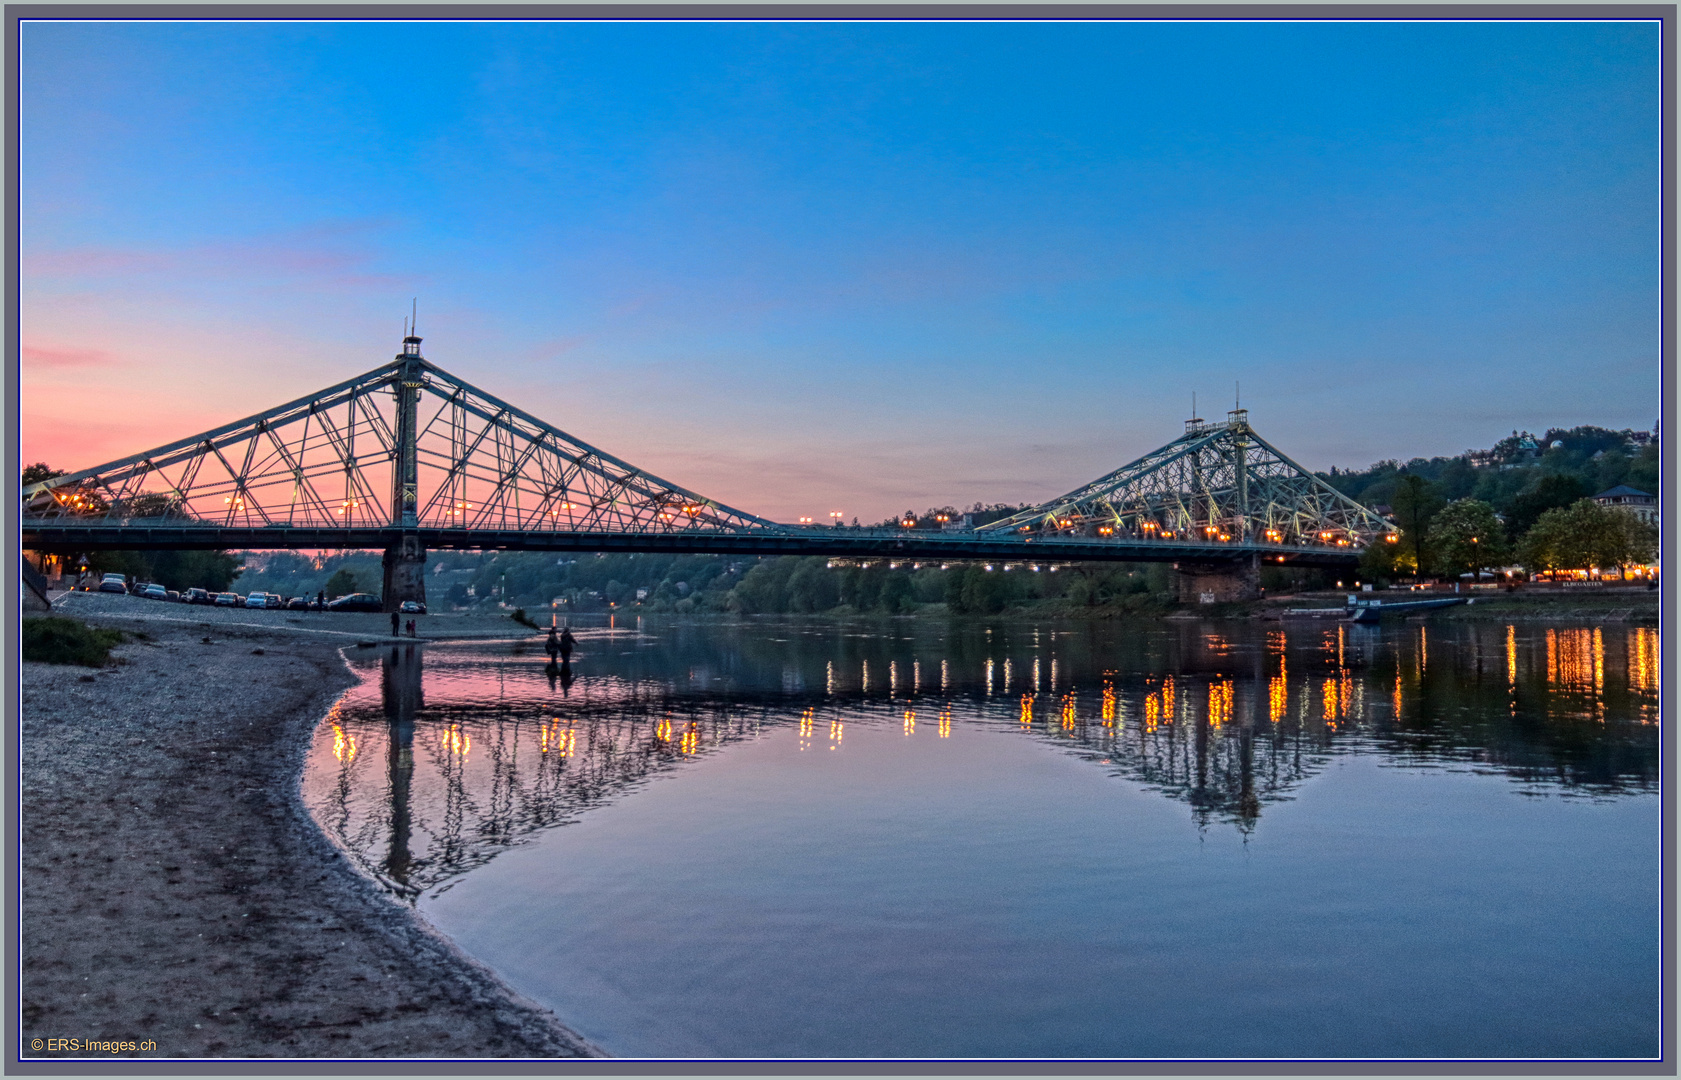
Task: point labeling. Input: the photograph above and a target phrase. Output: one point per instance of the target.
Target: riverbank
(175, 893)
(1632, 604)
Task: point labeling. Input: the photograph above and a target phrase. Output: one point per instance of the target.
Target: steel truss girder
(321, 462)
(1216, 482)
(68, 536)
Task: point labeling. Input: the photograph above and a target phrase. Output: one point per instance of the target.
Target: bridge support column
(405, 572)
(1223, 582)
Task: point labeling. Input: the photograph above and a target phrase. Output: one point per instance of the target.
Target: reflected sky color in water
(1050, 840)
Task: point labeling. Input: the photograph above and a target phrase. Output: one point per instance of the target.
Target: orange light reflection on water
(344, 746)
(1220, 698)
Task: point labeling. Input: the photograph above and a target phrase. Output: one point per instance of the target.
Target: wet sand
(175, 890)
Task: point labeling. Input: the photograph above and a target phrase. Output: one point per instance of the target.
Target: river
(778, 838)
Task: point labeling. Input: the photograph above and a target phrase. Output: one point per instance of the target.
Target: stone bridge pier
(405, 572)
(1222, 581)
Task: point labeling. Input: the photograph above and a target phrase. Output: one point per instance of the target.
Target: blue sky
(857, 266)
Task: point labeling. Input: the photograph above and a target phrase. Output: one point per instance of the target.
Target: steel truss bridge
(408, 458)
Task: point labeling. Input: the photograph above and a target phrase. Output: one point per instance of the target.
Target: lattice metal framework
(1217, 482)
(407, 445)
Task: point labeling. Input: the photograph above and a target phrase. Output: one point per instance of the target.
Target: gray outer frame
(1666, 14)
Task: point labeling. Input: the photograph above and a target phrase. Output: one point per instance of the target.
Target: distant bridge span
(408, 458)
(908, 544)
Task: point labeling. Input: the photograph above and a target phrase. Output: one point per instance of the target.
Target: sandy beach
(176, 896)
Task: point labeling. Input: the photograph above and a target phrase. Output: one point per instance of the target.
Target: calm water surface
(920, 839)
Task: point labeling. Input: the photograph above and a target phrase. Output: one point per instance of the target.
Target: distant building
(1639, 503)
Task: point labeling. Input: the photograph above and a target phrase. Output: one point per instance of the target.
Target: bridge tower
(405, 558)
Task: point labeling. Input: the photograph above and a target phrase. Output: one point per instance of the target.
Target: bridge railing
(962, 535)
(953, 537)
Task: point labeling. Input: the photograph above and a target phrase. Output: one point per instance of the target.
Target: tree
(1585, 535)
(342, 583)
(1415, 502)
(897, 596)
(812, 587)
(764, 588)
(34, 474)
(1550, 491)
(1377, 561)
(1466, 536)
(1628, 540)
(213, 570)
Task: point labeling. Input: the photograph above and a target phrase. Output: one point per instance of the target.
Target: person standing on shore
(566, 643)
(393, 624)
(551, 646)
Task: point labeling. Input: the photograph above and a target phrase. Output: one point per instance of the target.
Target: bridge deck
(831, 542)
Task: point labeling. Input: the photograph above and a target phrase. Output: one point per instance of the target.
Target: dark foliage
(54, 639)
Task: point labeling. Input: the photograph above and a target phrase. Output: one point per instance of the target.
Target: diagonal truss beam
(1216, 483)
(321, 461)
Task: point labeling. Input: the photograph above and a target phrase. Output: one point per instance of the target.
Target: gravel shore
(176, 893)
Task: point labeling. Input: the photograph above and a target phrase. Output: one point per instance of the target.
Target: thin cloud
(555, 348)
(336, 255)
(51, 357)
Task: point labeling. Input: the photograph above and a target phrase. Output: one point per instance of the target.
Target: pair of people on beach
(562, 644)
(394, 631)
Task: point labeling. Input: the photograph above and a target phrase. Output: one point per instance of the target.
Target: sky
(859, 266)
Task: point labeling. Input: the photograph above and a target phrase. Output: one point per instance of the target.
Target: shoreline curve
(175, 889)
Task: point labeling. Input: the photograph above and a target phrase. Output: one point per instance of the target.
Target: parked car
(300, 603)
(154, 592)
(113, 585)
(197, 596)
(257, 599)
(174, 597)
(275, 600)
(357, 601)
(412, 607)
(228, 599)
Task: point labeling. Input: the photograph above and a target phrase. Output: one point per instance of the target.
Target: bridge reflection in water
(446, 755)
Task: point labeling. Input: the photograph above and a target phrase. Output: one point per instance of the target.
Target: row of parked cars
(153, 591)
